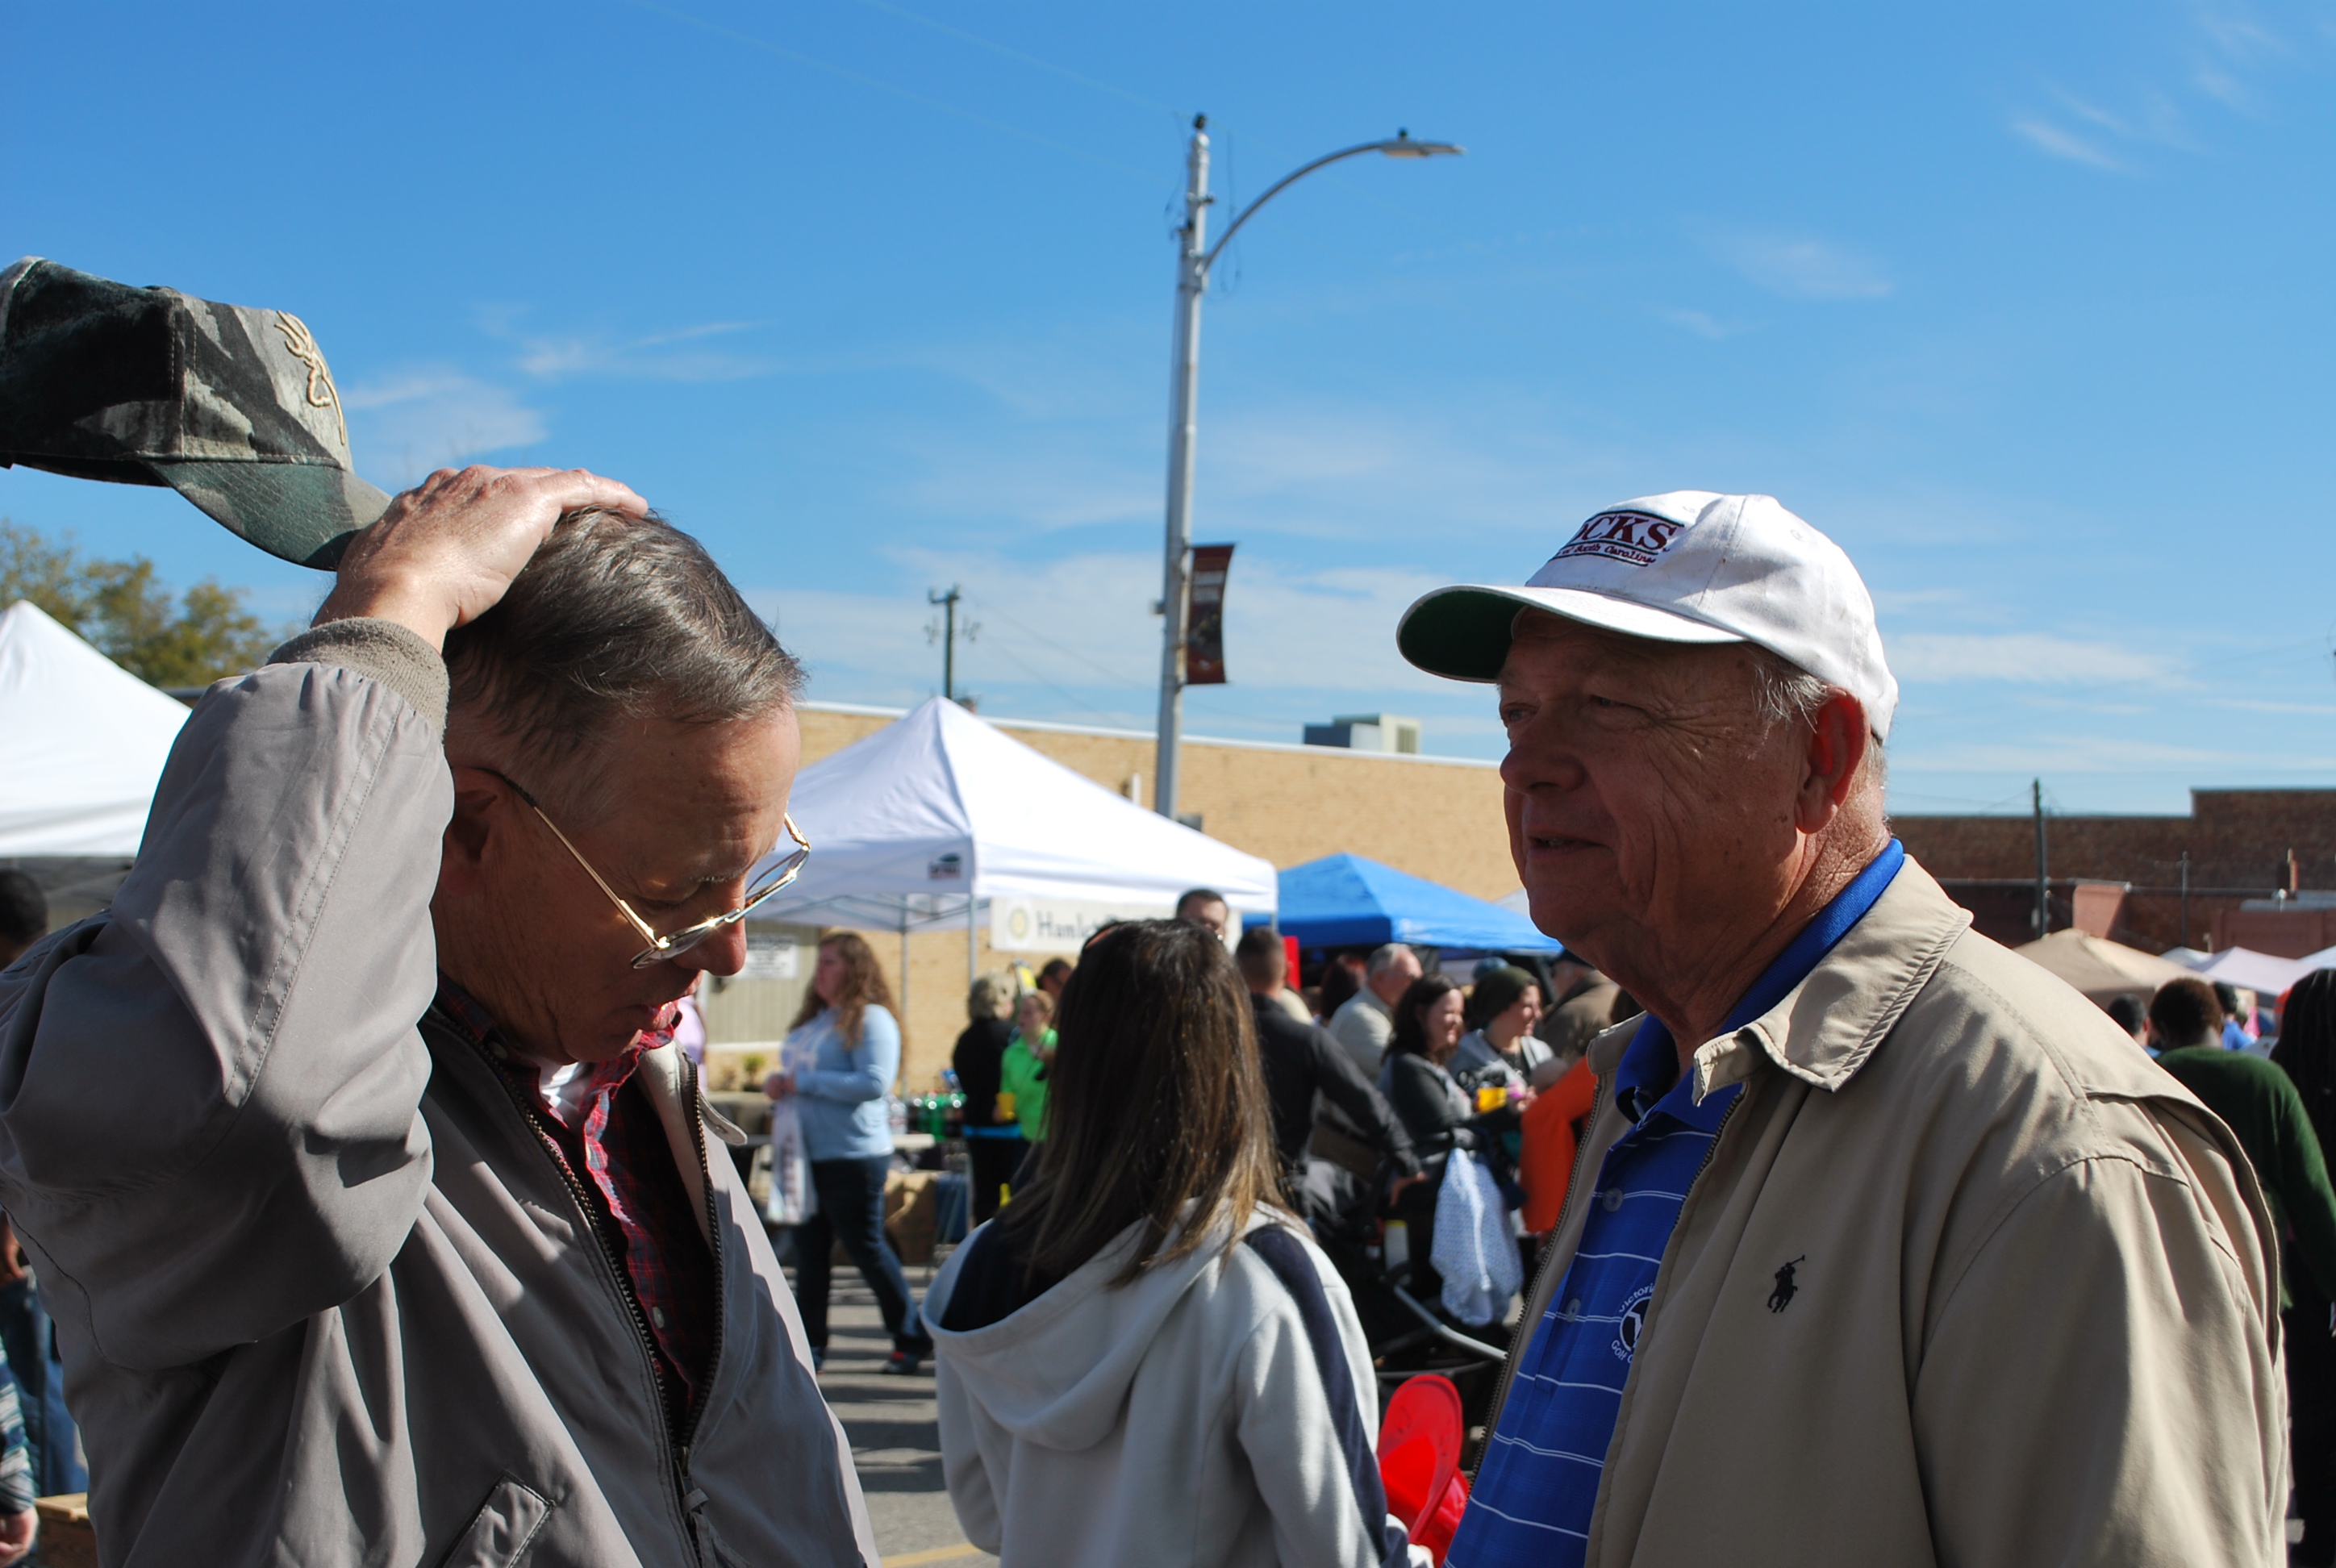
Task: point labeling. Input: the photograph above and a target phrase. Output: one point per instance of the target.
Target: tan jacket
(2033, 1315)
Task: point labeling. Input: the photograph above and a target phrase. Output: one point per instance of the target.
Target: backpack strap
(1285, 1254)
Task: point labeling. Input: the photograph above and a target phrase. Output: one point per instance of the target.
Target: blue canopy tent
(1345, 900)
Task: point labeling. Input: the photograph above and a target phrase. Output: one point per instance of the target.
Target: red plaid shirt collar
(622, 1146)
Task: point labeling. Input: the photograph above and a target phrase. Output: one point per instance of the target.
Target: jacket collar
(1827, 1026)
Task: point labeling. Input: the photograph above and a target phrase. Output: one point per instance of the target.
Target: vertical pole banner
(1205, 641)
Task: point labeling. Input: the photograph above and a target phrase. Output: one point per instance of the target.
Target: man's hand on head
(445, 553)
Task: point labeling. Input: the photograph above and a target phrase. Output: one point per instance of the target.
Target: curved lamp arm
(1400, 146)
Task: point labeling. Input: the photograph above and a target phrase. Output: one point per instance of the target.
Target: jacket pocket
(503, 1530)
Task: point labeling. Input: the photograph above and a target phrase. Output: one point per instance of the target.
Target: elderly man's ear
(1833, 762)
(462, 866)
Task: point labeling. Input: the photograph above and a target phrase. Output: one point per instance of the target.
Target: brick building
(2236, 846)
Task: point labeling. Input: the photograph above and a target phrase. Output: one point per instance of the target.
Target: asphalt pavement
(896, 1442)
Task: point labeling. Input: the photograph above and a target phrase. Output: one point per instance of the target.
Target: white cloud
(2249, 705)
(425, 417)
(1893, 600)
(2225, 59)
(1346, 474)
(677, 354)
(1109, 368)
(1701, 325)
(1343, 476)
(660, 357)
(1801, 268)
(2066, 144)
(2027, 658)
(1071, 488)
(2238, 36)
(2224, 88)
(1306, 450)
(2052, 754)
(1082, 624)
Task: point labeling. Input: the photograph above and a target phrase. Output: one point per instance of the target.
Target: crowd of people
(372, 1196)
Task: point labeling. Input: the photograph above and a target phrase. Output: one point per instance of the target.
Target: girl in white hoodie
(1145, 1359)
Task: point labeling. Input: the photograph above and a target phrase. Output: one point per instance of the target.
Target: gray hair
(1783, 692)
(990, 997)
(614, 618)
(1383, 958)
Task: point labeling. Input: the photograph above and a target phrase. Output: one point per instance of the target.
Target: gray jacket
(323, 1296)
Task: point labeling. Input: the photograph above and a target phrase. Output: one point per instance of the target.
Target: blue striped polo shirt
(1538, 1480)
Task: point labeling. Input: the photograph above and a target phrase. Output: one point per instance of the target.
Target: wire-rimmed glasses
(659, 948)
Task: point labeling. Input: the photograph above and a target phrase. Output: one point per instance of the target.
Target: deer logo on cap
(1634, 538)
(302, 344)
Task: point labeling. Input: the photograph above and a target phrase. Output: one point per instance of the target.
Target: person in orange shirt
(1545, 1167)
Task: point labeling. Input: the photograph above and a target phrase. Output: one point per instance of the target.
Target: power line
(990, 607)
(1118, 719)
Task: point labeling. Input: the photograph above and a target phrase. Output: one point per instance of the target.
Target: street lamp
(1194, 259)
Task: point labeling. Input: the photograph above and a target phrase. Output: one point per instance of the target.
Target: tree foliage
(118, 608)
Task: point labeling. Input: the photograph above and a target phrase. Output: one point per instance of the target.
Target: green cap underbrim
(303, 513)
(1463, 633)
(1459, 633)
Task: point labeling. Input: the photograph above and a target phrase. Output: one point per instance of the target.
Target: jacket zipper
(705, 1395)
(1548, 1258)
(676, 1461)
(1704, 1165)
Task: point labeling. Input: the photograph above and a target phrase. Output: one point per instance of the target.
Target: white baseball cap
(1692, 566)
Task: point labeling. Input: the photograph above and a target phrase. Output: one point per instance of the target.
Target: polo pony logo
(301, 344)
(1634, 538)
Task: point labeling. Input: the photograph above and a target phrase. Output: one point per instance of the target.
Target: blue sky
(2028, 305)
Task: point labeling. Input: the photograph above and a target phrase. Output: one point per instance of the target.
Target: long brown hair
(1410, 1028)
(1154, 1104)
(863, 987)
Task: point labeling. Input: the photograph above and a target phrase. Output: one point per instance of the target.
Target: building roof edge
(1048, 727)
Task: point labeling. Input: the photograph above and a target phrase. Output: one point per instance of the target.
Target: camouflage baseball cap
(229, 406)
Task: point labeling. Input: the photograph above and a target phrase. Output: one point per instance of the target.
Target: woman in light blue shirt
(847, 1033)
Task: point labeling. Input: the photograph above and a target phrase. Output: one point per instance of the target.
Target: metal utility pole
(1194, 258)
(2043, 894)
(1184, 417)
(947, 634)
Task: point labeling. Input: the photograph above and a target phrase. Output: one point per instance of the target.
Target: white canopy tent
(82, 742)
(939, 816)
(2266, 974)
